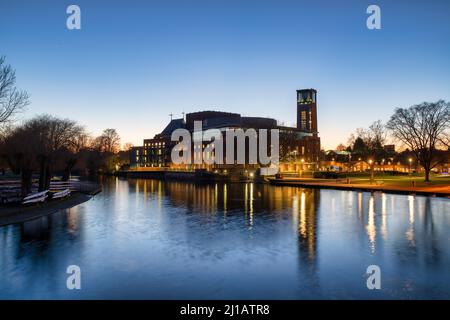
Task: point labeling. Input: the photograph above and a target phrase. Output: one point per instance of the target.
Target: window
(310, 120)
(303, 119)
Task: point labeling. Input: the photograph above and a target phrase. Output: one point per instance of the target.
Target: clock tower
(307, 111)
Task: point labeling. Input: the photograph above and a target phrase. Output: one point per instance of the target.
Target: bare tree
(369, 143)
(55, 136)
(127, 146)
(70, 154)
(109, 141)
(444, 139)
(289, 145)
(421, 127)
(12, 100)
(19, 148)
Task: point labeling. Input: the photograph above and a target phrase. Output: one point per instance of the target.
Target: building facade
(298, 145)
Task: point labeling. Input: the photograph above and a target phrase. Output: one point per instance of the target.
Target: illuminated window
(310, 120)
(303, 119)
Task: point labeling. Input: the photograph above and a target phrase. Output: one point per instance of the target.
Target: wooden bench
(35, 197)
(61, 194)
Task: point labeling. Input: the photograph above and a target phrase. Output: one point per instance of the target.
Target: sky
(133, 63)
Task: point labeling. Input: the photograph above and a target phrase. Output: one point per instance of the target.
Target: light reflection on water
(175, 240)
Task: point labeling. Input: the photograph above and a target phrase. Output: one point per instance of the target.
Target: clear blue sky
(134, 62)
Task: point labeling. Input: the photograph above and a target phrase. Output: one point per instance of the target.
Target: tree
(444, 139)
(55, 136)
(341, 147)
(127, 146)
(108, 141)
(421, 127)
(369, 144)
(12, 100)
(72, 152)
(288, 141)
(19, 148)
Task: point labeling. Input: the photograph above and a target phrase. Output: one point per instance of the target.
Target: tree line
(46, 144)
(422, 130)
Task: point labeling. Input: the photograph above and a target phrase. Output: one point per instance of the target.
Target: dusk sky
(135, 62)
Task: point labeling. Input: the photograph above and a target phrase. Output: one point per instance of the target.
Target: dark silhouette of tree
(55, 136)
(19, 149)
(12, 100)
(36, 145)
(368, 146)
(127, 146)
(108, 141)
(420, 128)
(288, 141)
(359, 147)
(71, 154)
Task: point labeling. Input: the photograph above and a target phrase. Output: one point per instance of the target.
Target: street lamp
(371, 170)
(410, 173)
(302, 167)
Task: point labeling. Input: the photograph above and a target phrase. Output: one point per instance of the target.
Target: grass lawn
(403, 181)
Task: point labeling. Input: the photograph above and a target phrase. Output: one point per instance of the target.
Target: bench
(35, 197)
(61, 194)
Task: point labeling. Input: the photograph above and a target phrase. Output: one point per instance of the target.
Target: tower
(307, 110)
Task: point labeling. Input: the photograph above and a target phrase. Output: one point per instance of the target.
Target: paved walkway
(440, 190)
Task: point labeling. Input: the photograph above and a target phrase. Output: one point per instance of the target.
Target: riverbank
(10, 214)
(439, 190)
(180, 175)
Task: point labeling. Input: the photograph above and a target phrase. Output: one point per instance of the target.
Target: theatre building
(299, 146)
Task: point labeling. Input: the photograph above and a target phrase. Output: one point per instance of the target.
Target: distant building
(389, 148)
(304, 145)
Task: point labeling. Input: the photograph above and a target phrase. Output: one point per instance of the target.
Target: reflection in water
(410, 232)
(383, 216)
(38, 229)
(371, 228)
(155, 239)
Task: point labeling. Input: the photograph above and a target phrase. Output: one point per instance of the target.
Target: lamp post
(302, 167)
(410, 173)
(371, 170)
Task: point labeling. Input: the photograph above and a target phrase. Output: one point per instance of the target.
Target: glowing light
(371, 228)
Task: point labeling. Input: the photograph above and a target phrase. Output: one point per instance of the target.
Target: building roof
(341, 153)
(172, 126)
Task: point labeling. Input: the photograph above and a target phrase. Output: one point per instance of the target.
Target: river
(151, 239)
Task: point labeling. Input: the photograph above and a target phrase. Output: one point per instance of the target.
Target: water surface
(149, 239)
